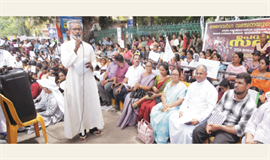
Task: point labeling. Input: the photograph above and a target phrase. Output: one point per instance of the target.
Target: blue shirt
(36, 47)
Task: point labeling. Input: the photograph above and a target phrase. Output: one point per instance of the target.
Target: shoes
(21, 129)
(108, 104)
(116, 107)
(104, 103)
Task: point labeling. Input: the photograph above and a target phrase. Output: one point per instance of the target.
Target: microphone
(78, 36)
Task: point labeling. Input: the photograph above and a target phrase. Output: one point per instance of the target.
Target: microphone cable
(83, 106)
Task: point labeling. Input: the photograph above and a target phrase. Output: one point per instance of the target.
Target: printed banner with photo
(229, 37)
(64, 27)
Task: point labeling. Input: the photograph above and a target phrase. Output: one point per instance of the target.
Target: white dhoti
(3, 127)
(82, 105)
(180, 133)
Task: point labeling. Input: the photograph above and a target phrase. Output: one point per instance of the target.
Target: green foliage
(41, 20)
(166, 20)
(105, 22)
(7, 26)
(22, 25)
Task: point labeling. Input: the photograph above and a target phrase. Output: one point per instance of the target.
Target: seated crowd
(179, 103)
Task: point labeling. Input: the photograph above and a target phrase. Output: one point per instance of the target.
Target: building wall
(115, 25)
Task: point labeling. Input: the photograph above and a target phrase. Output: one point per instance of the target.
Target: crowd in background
(156, 92)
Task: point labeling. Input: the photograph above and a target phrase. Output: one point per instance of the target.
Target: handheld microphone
(78, 36)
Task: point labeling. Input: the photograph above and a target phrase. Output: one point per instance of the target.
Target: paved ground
(111, 133)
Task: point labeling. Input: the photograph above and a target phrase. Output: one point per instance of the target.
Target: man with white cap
(58, 59)
(82, 106)
(51, 108)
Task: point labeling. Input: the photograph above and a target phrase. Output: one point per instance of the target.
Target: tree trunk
(87, 26)
(134, 21)
(150, 21)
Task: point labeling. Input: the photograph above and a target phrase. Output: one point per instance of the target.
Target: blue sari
(160, 120)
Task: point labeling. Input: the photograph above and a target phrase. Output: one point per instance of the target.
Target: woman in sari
(263, 71)
(146, 82)
(147, 103)
(172, 97)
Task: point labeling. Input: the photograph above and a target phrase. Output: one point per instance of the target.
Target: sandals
(96, 131)
(83, 138)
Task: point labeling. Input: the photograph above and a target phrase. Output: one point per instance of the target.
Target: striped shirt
(259, 124)
(237, 112)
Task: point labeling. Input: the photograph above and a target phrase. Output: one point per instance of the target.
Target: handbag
(145, 132)
(158, 100)
(139, 93)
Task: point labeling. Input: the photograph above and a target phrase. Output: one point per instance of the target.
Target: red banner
(229, 37)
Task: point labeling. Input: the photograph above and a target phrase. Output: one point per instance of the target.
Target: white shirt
(190, 64)
(18, 64)
(58, 50)
(200, 100)
(133, 74)
(6, 58)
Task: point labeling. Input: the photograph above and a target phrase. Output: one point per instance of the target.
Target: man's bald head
(115, 53)
(201, 73)
(203, 67)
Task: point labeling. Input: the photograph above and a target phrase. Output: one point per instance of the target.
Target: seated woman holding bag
(172, 98)
(151, 99)
(145, 83)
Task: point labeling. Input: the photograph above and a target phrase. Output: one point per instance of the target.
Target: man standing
(107, 81)
(82, 106)
(263, 46)
(236, 107)
(198, 104)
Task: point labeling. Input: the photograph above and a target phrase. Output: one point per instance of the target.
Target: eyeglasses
(148, 66)
(199, 73)
(78, 29)
(175, 75)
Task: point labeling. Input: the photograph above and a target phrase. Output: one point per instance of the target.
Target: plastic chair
(120, 103)
(12, 129)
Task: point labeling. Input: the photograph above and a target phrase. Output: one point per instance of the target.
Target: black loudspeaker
(16, 87)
